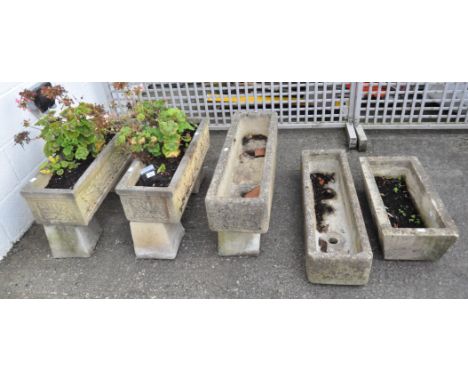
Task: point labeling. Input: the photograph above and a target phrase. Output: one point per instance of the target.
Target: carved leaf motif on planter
(148, 208)
(55, 210)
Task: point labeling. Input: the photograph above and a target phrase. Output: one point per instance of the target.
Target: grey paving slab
(29, 271)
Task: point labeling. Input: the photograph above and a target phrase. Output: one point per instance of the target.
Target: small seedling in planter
(162, 169)
(74, 132)
(399, 204)
(152, 132)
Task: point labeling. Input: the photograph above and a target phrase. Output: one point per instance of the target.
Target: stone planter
(428, 243)
(240, 221)
(155, 212)
(337, 246)
(68, 214)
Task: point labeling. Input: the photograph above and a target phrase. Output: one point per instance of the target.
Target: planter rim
(29, 189)
(122, 186)
(449, 229)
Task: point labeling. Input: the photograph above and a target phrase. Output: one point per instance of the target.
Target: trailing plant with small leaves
(151, 129)
(71, 134)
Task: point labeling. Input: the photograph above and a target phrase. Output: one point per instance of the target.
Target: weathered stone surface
(73, 241)
(345, 256)
(227, 210)
(409, 243)
(156, 240)
(199, 181)
(238, 243)
(165, 204)
(78, 205)
(362, 138)
(352, 137)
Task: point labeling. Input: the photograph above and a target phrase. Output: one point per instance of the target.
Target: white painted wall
(17, 164)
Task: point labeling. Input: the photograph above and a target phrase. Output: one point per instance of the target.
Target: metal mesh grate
(413, 102)
(297, 103)
(318, 104)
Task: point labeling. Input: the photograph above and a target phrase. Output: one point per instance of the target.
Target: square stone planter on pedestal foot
(154, 213)
(337, 246)
(68, 214)
(239, 199)
(156, 240)
(73, 240)
(438, 232)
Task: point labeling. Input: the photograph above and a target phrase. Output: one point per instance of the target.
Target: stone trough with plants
(168, 152)
(411, 219)
(83, 166)
(337, 246)
(239, 199)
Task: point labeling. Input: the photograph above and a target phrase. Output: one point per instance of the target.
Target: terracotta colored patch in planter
(253, 193)
(260, 152)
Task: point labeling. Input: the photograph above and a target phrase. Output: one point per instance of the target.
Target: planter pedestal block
(156, 240)
(240, 220)
(154, 213)
(238, 243)
(73, 241)
(68, 214)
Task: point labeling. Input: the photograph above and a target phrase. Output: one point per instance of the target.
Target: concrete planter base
(156, 240)
(428, 243)
(238, 243)
(73, 241)
(154, 213)
(238, 220)
(337, 251)
(68, 214)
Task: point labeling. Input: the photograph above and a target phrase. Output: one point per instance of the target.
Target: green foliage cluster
(71, 136)
(72, 132)
(152, 129)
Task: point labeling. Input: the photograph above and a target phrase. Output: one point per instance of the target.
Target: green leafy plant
(71, 133)
(161, 169)
(150, 129)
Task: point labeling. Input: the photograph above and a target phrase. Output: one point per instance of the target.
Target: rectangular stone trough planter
(337, 247)
(428, 243)
(154, 213)
(240, 221)
(68, 214)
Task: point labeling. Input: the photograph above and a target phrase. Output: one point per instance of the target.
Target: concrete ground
(279, 272)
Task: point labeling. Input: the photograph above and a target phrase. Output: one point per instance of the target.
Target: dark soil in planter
(164, 179)
(321, 194)
(70, 177)
(401, 210)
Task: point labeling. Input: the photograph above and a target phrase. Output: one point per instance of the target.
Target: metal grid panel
(319, 104)
(411, 103)
(297, 103)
